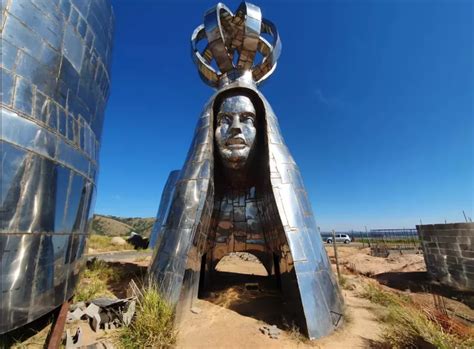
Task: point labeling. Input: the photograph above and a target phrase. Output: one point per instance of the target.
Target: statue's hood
(182, 235)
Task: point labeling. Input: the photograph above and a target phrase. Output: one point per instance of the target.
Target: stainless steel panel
(20, 36)
(49, 30)
(73, 47)
(23, 96)
(7, 87)
(9, 54)
(14, 156)
(163, 210)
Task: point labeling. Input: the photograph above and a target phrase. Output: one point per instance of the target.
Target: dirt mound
(361, 262)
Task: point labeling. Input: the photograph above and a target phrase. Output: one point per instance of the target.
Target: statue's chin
(234, 159)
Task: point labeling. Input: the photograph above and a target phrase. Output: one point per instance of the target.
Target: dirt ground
(361, 262)
(235, 313)
(232, 313)
(208, 328)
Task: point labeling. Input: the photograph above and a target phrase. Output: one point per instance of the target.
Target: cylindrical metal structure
(55, 84)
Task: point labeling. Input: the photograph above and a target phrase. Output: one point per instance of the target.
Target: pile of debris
(379, 250)
(101, 313)
(245, 256)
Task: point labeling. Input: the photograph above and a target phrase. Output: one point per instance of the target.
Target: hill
(120, 226)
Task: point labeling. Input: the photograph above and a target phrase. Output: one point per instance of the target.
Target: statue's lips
(236, 143)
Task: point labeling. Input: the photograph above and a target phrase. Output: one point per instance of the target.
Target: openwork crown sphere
(233, 41)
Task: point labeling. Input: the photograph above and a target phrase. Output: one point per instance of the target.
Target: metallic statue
(55, 84)
(240, 189)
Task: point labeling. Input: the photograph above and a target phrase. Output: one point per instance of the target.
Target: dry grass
(101, 243)
(409, 326)
(345, 283)
(152, 326)
(142, 259)
(94, 279)
(295, 334)
(36, 341)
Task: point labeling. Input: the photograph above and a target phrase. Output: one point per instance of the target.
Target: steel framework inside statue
(240, 189)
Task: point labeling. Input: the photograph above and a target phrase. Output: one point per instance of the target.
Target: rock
(272, 331)
(118, 241)
(195, 310)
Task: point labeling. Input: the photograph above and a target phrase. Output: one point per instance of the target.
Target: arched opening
(241, 263)
(246, 284)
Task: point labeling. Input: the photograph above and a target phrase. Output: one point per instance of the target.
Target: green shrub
(93, 281)
(152, 326)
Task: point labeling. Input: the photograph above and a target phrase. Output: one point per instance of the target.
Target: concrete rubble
(101, 313)
(272, 331)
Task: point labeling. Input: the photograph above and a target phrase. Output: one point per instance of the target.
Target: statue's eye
(247, 118)
(225, 119)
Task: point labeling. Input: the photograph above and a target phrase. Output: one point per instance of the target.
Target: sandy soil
(231, 314)
(407, 273)
(235, 313)
(361, 262)
(208, 328)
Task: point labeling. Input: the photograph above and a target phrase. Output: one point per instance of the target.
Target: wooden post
(367, 234)
(335, 254)
(57, 330)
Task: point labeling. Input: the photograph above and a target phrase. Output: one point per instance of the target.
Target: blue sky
(375, 101)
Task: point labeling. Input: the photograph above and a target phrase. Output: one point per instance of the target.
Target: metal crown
(232, 45)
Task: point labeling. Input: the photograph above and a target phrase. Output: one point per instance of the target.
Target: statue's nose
(236, 128)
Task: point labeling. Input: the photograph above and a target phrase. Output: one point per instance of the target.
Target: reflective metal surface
(164, 207)
(240, 189)
(232, 44)
(55, 84)
(235, 132)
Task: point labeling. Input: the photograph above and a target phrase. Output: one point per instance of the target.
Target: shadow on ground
(125, 272)
(240, 293)
(420, 281)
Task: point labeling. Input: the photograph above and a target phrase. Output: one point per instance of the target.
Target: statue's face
(235, 131)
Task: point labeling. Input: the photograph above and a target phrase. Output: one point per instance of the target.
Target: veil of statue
(240, 189)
